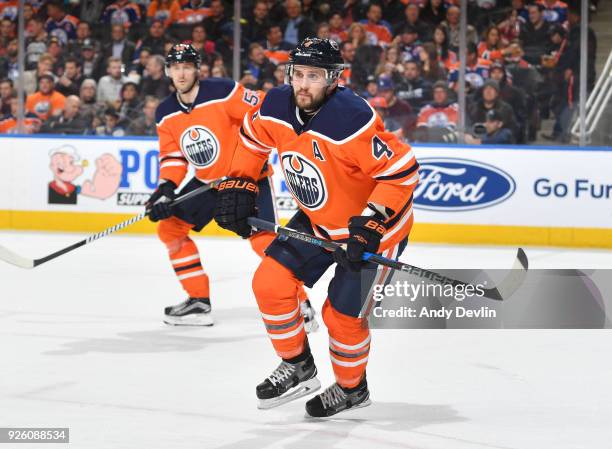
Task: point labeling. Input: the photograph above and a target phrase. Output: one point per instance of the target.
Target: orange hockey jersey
(204, 134)
(337, 165)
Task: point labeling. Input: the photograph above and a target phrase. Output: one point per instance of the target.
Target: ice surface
(82, 345)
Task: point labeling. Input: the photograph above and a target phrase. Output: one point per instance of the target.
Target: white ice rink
(82, 345)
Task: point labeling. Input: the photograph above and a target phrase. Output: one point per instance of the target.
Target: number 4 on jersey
(380, 149)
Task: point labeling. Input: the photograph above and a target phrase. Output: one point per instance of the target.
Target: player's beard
(310, 103)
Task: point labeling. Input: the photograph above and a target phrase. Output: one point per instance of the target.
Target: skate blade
(303, 389)
(346, 413)
(194, 319)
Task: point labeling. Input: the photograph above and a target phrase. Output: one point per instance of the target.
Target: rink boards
(522, 195)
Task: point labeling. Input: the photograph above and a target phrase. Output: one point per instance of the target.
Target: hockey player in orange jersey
(198, 126)
(353, 182)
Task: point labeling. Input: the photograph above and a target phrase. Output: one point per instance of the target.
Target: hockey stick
(23, 262)
(504, 289)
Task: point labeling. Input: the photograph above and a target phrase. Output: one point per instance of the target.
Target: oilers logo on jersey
(304, 180)
(200, 146)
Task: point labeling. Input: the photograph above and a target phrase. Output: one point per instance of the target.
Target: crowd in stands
(97, 67)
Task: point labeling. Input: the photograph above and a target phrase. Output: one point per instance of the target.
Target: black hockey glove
(159, 203)
(365, 234)
(235, 203)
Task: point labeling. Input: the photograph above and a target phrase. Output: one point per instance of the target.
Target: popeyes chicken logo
(67, 166)
(200, 146)
(304, 180)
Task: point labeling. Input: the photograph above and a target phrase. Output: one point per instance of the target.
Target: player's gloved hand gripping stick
(503, 290)
(23, 262)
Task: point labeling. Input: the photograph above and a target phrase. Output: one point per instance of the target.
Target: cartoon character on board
(66, 169)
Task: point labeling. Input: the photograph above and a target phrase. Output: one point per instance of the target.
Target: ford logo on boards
(453, 184)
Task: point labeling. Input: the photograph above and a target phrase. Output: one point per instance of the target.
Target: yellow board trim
(421, 232)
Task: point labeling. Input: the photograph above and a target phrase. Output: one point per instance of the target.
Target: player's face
(309, 87)
(183, 75)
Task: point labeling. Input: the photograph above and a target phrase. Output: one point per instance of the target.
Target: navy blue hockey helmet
(315, 52)
(183, 52)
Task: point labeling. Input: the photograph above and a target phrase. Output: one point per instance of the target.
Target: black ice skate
(191, 312)
(310, 321)
(288, 382)
(336, 399)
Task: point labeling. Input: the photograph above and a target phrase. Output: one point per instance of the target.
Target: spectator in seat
(434, 12)
(70, 121)
(397, 109)
(216, 20)
(445, 55)
(515, 97)
(412, 88)
(275, 48)
(337, 30)
(453, 14)
(495, 131)
(138, 67)
(431, 68)
(9, 63)
(60, 24)
(83, 33)
(30, 77)
(6, 93)
(145, 124)
(367, 56)
(70, 81)
(412, 17)
(260, 67)
(109, 86)
(36, 41)
(295, 26)
(534, 34)
(259, 22)
(371, 89)
(377, 29)
(119, 46)
(7, 33)
(382, 108)
(200, 41)
(91, 62)
(492, 48)
(8, 123)
(131, 105)
(438, 118)
(408, 44)
(55, 48)
(488, 100)
(45, 102)
(155, 40)
(476, 71)
(110, 125)
(347, 50)
(89, 107)
(121, 12)
(155, 83)
(164, 10)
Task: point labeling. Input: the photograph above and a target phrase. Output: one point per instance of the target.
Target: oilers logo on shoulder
(200, 146)
(304, 179)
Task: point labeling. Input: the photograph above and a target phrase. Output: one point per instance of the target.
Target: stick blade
(513, 280)
(15, 259)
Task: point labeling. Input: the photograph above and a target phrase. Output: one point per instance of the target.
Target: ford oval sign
(453, 184)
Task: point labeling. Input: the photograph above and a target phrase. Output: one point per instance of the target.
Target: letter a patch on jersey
(380, 149)
(316, 151)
